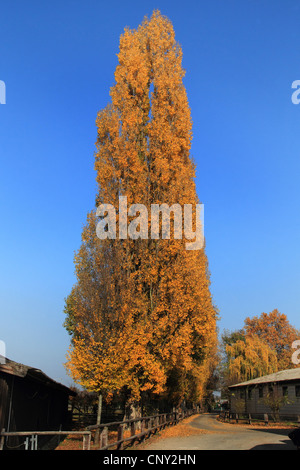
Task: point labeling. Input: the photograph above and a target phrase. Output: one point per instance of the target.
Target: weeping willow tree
(248, 358)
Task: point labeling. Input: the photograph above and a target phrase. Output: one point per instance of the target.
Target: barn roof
(281, 376)
(20, 370)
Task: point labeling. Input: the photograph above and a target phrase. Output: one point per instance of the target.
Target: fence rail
(145, 425)
(83, 419)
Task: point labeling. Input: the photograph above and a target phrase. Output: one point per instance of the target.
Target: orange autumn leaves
(262, 347)
(141, 314)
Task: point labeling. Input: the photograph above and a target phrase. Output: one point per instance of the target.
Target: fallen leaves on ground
(182, 429)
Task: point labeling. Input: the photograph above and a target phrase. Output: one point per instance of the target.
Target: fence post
(104, 437)
(156, 423)
(120, 436)
(143, 429)
(2, 440)
(132, 428)
(266, 419)
(86, 443)
(34, 442)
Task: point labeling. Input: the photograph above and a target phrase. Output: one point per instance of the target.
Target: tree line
(141, 317)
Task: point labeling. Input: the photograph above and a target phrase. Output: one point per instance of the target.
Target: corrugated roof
(20, 370)
(283, 375)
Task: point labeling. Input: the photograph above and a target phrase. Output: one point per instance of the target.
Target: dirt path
(205, 432)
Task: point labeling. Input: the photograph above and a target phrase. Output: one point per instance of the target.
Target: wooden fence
(31, 443)
(145, 426)
(107, 435)
(229, 417)
(250, 418)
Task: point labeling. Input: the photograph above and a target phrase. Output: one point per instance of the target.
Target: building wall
(29, 405)
(242, 402)
(5, 387)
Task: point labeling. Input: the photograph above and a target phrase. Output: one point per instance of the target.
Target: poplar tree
(141, 314)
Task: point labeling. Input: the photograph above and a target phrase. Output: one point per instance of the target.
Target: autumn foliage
(275, 330)
(249, 358)
(141, 314)
(261, 347)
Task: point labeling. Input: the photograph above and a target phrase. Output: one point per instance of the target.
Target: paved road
(223, 436)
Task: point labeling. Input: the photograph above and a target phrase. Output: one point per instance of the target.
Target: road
(224, 436)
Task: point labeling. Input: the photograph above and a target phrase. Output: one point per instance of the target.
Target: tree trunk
(99, 412)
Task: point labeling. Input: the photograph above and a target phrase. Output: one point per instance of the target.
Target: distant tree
(262, 346)
(228, 339)
(250, 358)
(276, 331)
(83, 401)
(240, 405)
(275, 400)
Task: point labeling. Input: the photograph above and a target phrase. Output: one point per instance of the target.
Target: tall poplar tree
(141, 314)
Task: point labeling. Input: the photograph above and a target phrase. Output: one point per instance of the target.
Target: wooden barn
(261, 395)
(30, 401)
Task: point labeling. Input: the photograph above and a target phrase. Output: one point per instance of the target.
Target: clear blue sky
(57, 61)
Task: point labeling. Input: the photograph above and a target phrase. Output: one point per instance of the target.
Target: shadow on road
(281, 431)
(285, 445)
